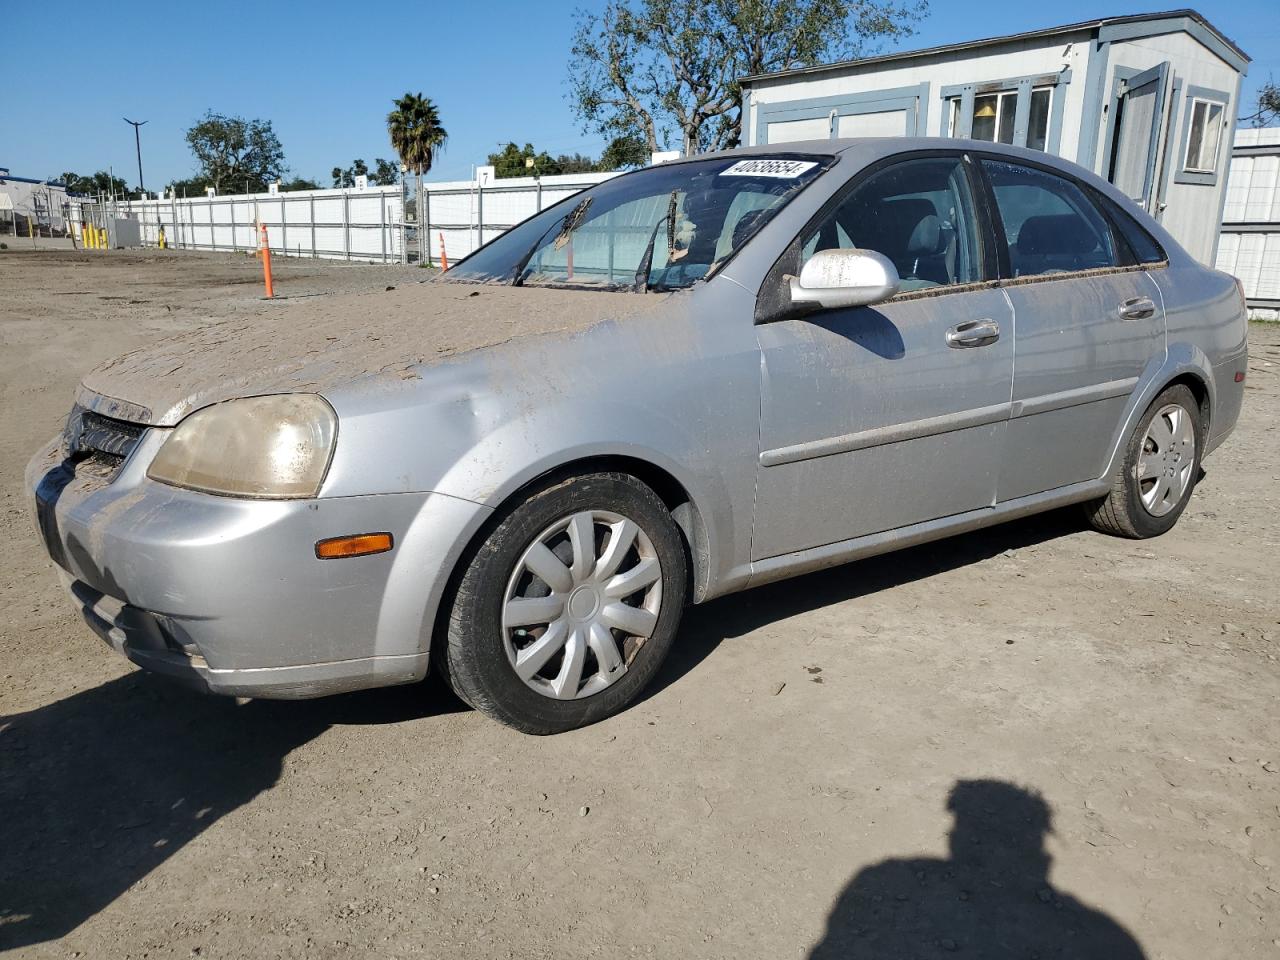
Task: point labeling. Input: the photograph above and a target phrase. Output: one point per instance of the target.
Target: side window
(919, 214)
(1051, 226)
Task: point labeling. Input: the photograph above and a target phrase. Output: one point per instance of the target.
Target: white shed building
(1146, 101)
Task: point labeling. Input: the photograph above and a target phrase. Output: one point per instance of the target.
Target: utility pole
(137, 142)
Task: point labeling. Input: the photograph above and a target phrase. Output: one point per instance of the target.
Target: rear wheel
(569, 606)
(1159, 472)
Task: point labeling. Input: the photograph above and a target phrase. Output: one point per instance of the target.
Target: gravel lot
(1030, 740)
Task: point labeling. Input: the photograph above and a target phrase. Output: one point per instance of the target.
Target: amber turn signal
(356, 545)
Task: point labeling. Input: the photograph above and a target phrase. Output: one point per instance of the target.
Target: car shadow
(990, 898)
(100, 788)
(707, 625)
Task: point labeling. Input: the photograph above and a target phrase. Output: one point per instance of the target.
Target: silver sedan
(683, 382)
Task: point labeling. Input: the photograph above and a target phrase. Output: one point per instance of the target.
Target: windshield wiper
(570, 222)
(641, 284)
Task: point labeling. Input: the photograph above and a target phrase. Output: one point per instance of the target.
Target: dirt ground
(1033, 740)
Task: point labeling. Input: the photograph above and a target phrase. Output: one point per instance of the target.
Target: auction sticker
(779, 169)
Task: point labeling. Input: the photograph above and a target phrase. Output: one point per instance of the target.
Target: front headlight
(276, 447)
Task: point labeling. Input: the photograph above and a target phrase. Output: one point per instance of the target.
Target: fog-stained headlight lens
(275, 447)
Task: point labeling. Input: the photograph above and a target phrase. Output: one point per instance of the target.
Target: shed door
(1136, 128)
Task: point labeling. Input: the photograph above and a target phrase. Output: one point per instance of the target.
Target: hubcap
(581, 602)
(1168, 456)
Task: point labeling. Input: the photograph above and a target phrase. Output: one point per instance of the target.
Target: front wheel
(569, 606)
(1159, 472)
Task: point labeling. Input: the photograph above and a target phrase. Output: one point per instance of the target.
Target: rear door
(1087, 320)
(879, 417)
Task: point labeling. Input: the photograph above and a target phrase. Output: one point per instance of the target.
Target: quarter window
(1202, 139)
(1050, 225)
(919, 214)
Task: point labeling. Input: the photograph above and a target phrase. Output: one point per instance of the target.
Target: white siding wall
(1250, 243)
(1029, 58)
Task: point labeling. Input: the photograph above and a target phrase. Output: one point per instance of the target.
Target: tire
(1125, 512)
(489, 628)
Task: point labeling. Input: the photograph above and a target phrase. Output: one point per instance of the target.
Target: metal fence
(1249, 246)
(455, 217)
(462, 215)
(364, 224)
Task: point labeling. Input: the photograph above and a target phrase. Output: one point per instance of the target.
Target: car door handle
(973, 333)
(1137, 308)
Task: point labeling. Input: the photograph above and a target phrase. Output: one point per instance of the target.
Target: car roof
(871, 146)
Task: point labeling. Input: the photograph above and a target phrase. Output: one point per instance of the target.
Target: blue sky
(325, 77)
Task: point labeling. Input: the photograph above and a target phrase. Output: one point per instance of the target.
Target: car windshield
(661, 228)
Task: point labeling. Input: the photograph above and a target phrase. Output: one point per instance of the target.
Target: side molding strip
(879, 436)
(1078, 396)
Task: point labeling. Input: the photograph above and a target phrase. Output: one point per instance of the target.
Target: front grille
(99, 444)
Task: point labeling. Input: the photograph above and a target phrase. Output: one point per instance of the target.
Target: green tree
(511, 161)
(347, 177)
(299, 183)
(191, 187)
(624, 153)
(653, 68)
(1267, 106)
(385, 173)
(100, 182)
(234, 154)
(416, 132)
(576, 163)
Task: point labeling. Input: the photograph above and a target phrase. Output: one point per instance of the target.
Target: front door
(874, 418)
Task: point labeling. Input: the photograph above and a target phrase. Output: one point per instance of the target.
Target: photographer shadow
(991, 899)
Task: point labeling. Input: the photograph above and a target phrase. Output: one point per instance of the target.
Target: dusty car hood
(311, 344)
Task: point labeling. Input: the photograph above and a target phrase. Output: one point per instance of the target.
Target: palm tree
(416, 133)
(417, 136)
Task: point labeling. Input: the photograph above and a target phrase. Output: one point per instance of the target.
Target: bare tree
(653, 68)
(1268, 106)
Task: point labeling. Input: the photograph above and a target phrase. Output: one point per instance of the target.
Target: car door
(878, 417)
(1088, 320)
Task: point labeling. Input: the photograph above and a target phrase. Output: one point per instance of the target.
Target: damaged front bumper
(227, 594)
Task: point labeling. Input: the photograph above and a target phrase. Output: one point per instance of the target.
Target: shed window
(1038, 122)
(1202, 141)
(995, 116)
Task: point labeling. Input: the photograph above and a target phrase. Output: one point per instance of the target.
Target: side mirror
(845, 278)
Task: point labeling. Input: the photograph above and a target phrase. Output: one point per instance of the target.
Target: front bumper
(227, 594)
